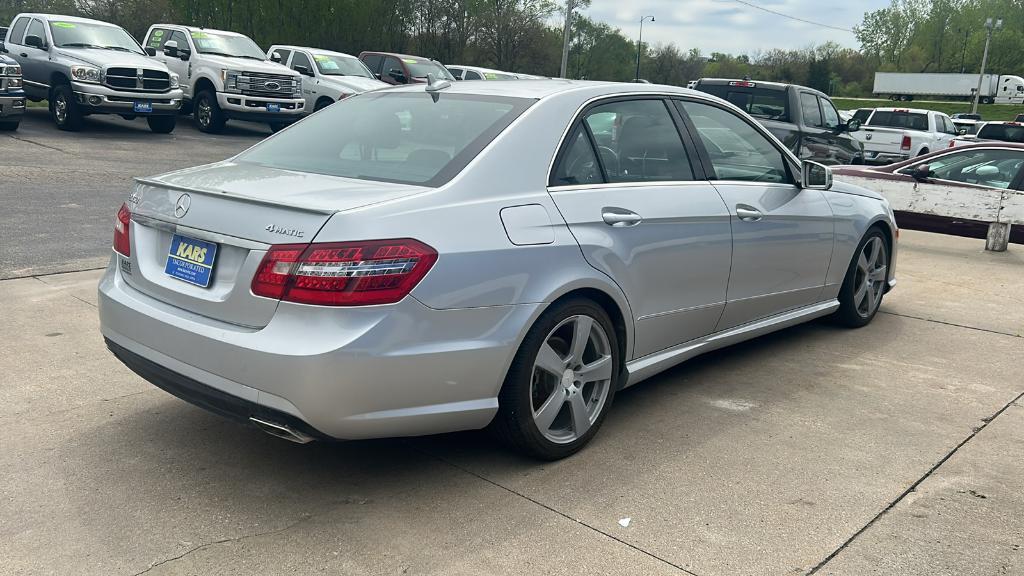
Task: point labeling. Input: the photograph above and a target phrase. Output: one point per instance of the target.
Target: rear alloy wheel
(64, 110)
(865, 282)
(162, 124)
(561, 383)
(208, 114)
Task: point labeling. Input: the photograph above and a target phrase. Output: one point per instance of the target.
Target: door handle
(24, 55)
(620, 217)
(748, 213)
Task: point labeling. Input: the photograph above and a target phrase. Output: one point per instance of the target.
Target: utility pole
(989, 28)
(565, 38)
(639, 43)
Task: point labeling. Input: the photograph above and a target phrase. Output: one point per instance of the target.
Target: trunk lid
(877, 139)
(243, 209)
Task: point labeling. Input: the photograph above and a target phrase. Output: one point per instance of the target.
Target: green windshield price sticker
(63, 24)
(490, 76)
(200, 35)
(409, 61)
(158, 32)
(320, 58)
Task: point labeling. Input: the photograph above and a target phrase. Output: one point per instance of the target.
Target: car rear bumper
(12, 105)
(346, 373)
(96, 99)
(884, 157)
(254, 109)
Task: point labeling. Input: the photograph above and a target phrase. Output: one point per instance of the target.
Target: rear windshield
(1004, 132)
(404, 137)
(759, 103)
(889, 119)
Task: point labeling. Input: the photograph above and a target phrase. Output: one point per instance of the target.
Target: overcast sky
(729, 26)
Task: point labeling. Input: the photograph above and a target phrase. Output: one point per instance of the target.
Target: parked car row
(84, 67)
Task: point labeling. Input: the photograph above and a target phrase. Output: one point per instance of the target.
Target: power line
(797, 18)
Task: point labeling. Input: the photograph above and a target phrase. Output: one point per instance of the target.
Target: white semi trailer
(1004, 89)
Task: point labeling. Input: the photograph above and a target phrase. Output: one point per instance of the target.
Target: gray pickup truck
(84, 67)
(12, 97)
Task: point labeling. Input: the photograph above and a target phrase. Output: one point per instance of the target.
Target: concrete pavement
(894, 449)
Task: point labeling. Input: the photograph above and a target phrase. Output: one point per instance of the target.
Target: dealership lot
(894, 449)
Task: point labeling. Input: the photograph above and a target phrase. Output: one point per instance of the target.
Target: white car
(992, 132)
(896, 134)
(477, 73)
(225, 75)
(330, 76)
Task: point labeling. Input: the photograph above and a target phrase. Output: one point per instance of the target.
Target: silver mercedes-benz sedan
(498, 254)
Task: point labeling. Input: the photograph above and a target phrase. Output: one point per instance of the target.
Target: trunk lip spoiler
(216, 237)
(266, 202)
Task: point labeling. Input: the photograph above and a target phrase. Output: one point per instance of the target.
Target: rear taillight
(343, 273)
(122, 231)
(905, 145)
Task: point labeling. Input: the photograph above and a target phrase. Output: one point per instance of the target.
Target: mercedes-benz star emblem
(181, 207)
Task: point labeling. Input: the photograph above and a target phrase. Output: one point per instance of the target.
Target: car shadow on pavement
(105, 124)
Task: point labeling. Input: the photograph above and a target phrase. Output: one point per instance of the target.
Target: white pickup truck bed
(895, 134)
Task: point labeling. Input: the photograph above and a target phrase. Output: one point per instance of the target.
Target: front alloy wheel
(864, 286)
(561, 382)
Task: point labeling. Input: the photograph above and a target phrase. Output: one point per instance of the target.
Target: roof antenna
(435, 85)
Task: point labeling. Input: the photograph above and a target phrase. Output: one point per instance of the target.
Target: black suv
(804, 119)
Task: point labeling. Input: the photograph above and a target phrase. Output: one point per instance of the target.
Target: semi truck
(995, 89)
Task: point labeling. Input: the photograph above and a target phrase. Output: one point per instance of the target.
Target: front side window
(300, 59)
(35, 28)
(89, 35)
(284, 54)
(372, 62)
(221, 44)
(403, 137)
(473, 75)
(992, 168)
(811, 112)
(829, 114)
(157, 38)
(736, 149)
(638, 142)
(862, 115)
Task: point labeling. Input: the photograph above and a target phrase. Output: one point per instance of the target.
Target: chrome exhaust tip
(281, 431)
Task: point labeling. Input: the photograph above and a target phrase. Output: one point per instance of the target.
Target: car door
(33, 85)
(634, 196)
(782, 234)
(34, 61)
(970, 177)
(817, 142)
(845, 149)
(310, 84)
(158, 39)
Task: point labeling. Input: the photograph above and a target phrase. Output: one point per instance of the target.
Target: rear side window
(758, 102)
(402, 137)
(736, 149)
(897, 119)
(810, 110)
(578, 164)
(372, 62)
(638, 142)
(18, 32)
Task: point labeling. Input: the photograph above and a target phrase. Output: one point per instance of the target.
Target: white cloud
(729, 26)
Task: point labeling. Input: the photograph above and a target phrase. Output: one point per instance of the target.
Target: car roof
(479, 69)
(310, 50)
(397, 55)
(1010, 122)
(199, 29)
(64, 18)
(540, 89)
(901, 109)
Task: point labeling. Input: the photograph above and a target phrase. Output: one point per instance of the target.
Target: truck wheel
(986, 100)
(162, 124)
(322, 103)
(64, 110)
(6, 126)
(922, 152)
(208, 114)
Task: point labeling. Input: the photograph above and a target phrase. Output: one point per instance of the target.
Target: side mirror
(276, 57)
(3, 47)
(397, 75)
(305, 71)
(921, 172)
(853, 125)
(171, 49)
(815, 176)
(184, 54)
(34, 41)
(150, 51)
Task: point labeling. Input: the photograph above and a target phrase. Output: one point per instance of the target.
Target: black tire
(322, 103)
(851, 313)
(207, 113)
(276, 127)
(514, 424)
(128, 117)
(64, 111)
(9, 126)
(162, 124)
(923, 152)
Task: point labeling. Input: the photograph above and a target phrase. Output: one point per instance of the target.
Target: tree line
(526, 36)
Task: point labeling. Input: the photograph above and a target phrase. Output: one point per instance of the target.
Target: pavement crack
(47, 146)
(550, 509)
(157, 564)
(922, 318)
(974, 432)
(69, 293)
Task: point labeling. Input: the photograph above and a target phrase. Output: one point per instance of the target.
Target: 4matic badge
(275, 229)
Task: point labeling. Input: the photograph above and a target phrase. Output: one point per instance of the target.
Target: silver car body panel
(435, 361)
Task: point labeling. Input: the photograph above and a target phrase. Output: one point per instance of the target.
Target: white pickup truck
(896, 134)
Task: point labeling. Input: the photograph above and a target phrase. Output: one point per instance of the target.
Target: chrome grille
(138, 80)
(268, 85)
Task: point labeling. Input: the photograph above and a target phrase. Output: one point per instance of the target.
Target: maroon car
(403, 68)
(955, 191)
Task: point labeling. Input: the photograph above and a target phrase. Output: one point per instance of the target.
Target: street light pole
(639, 43)
(989, 28)
(565, 38)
